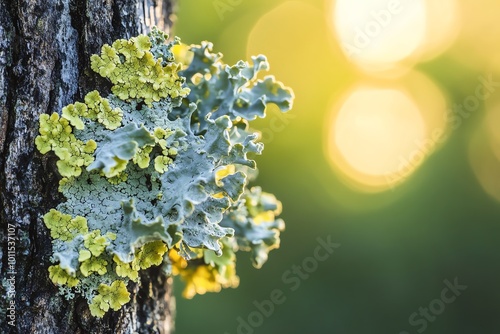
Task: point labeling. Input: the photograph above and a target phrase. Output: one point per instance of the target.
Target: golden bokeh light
(443, 26)
(372, 135)
(377, 35)
(298, 49)
(493, 129)
(432, 104)
(480, 31)
(484, 148)
(395, 118)
(382, 131)
(485, 164)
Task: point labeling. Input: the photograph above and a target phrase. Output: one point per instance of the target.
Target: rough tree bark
(45, 47)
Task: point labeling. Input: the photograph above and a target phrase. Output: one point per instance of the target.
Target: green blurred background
(399, 240)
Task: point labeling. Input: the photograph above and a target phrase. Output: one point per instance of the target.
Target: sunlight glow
(443, 27)
(373, 137)
(432, 104)
(478, 45)
(493, 130)
(484, 150)
(485, 165)
(378, 34)
(295, 39)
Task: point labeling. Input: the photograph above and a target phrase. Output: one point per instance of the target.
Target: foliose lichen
(158, 172)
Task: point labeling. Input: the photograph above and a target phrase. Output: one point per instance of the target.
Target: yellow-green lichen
(56, 135)
(119, 178)
(95, 242)
(123, 269)
(161, 163)
(63, 226)
(114, 297)
(205, 277)
(142, 157)
(183, 203)
(93, 265)
(94, 108)
(151, 254)
(59, 276)
(117, 169)
(93, 101)
(74, 155)
(136, 73)
(109, 117)
(54, 132)
(84, 254)
(73, 112)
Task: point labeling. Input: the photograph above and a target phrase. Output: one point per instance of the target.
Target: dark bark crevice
(45, 46)
(9, 49)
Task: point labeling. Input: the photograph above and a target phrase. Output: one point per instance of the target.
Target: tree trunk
(45, 46)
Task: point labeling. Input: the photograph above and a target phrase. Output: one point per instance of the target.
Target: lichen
(135, 71)
(114, 297)
(60, 277)
(56, 135)
(157, 172)
(63, 227)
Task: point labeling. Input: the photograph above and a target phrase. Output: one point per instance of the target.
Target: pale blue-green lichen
(158, 172)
